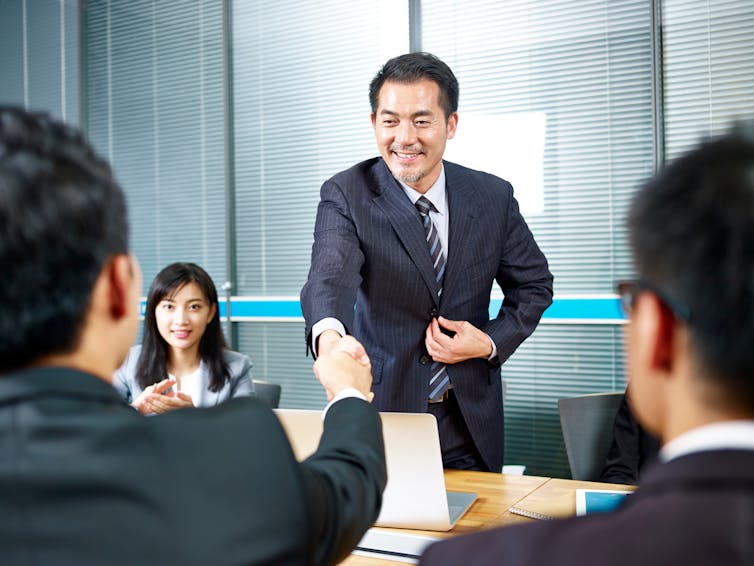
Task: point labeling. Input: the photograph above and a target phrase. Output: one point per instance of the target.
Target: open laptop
(415, 495)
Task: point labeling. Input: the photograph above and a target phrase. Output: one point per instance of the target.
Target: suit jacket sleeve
(241, 384)
(345, 485)
(124, 379)
(120, 382)
(334, 275)
(526, 282)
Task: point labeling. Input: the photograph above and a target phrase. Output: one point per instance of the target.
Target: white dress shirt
(727, 435)
(344, 394)
(437, 196)
(191, 384)
(441, 219)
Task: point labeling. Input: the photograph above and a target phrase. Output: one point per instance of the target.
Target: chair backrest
(587, 425)
(268, 392)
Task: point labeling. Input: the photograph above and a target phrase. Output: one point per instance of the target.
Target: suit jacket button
(424, 359)
(434, 313)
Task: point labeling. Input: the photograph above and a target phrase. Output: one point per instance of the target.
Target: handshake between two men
(346, 367)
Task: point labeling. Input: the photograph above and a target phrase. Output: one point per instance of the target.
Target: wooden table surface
(497, 494)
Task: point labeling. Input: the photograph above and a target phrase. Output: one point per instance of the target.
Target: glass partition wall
(222, 118)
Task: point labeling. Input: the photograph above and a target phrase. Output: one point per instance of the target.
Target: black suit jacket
(370, 250)
(695, 510)
(85, 479)
(632, 449)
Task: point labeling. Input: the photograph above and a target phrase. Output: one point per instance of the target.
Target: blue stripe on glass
(602, 309)
(562, 309)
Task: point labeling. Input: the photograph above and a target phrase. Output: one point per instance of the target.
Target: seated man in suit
(632, 450)
(85, 479)
(691, 364)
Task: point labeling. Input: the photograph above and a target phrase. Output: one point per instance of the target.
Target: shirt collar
(736, 435)
(435, 194)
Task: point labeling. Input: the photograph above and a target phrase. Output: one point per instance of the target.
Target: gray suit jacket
(695, 510)
(86, 480)
(370, 252)
(240, 384)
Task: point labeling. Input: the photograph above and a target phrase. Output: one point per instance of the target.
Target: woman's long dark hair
(153, 362)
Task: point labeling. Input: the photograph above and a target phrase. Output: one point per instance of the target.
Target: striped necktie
(439, 381)
(433, 240)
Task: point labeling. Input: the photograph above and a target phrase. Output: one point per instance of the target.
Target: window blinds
(155, 107)
(301, 75)
(39, 51)
(584, 69)
(708, 68)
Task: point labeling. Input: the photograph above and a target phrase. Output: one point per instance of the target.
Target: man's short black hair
(62, 217)
(414, 67)
(692, 234)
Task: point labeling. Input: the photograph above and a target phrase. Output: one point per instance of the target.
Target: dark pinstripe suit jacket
(370, 252)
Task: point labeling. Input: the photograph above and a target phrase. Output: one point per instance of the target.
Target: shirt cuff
(344, 394)
(493, 355)
(320, 326)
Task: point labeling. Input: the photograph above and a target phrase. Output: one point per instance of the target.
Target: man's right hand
(345, 365)
(327, 341)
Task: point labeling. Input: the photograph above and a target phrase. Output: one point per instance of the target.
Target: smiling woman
(184, 361)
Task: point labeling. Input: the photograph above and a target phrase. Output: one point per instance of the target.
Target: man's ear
(120, 277)
(452, 125)
(651, 359)
(662, 327)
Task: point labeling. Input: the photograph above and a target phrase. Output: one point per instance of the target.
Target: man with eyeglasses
(690, 358)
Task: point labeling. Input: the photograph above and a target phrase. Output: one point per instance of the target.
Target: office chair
(587, 425)
(268, 392)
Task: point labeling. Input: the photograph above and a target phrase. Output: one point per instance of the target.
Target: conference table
(497, 493)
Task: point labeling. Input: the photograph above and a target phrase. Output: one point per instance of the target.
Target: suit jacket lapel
(463, 207)
(404, 218)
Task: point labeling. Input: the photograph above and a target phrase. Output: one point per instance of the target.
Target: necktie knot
(425, 206)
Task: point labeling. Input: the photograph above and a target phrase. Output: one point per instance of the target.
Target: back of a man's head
(692, 234)
(62, 216)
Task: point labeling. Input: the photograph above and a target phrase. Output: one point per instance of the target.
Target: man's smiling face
(411, 131)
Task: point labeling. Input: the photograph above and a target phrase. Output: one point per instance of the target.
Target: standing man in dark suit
(415, 244)
(85, 479)
(691, 364)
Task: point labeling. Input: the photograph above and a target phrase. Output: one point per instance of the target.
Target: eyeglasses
(628, 291)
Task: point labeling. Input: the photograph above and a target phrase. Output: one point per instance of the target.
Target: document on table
(598, 500)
